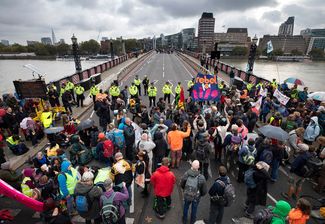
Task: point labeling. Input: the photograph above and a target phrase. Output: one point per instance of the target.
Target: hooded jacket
(202, 185)
(161, 145)
(62, 178)
(297, 217)
(163, 181)
(312, 130)
(281, 210)
(204, 144)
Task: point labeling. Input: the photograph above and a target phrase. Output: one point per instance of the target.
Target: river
(311, 73)
(11, 70)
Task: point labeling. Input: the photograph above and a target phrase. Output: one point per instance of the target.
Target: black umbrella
(85, 124)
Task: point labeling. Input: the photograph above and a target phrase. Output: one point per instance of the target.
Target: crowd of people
(145, 143)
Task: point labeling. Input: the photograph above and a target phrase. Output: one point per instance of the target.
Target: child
(300, 214)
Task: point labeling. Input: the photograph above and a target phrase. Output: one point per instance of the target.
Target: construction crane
(99, 32)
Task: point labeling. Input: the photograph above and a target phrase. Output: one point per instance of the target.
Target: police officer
(221, 85)
(94, 90)
(133, 90)
(152, 93)
(190, 85)
(114, 91)
(145, 83)
(249, 86)
(178, 90)
(70, 87)
(137, 82)
(62, 89)
(167, 90)
(274, 84)
(79, 90)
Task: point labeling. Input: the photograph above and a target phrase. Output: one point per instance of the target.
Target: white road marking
(272, 198)
(155, 81)
(163, 74)
(184, 67)
(129, 220)
(92, 114)
(283, 171)
(132, 199)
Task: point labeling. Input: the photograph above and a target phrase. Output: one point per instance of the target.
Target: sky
(22, 20)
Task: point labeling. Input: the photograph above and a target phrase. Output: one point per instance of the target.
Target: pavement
(160, 68)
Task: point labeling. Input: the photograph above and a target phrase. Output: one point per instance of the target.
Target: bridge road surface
(163, 67)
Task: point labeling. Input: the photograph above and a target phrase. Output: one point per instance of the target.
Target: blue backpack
(266, 156)
(249, 179)
(83, 202)
(119, 139)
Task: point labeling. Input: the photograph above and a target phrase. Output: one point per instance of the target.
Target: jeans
(187, 205)
(275, 169)
(216, 213)
(70, 204)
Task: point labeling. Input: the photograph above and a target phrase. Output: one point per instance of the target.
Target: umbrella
(85, 124)
(53, 130)
(274, 132)
(320, 96)
(294, 81)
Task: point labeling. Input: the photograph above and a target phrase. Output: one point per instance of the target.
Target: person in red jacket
(163, 181)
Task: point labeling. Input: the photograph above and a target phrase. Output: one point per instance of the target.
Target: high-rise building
(206, 32)
(286, 28)
(104, 38)
(188, 35)
(46, 40)
(5, 42)
(235, 37)
(61, 41)
(315, 38)
(53, 37)
(285, 43)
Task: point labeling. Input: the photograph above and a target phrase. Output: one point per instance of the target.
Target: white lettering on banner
(283, 99)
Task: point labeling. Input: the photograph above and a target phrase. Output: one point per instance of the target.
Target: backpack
(201, 153)
(249, 179)
(129, 131)
(264, 216)
(83, 202)
(266, 156)
(229, 194)
(312, 166)
(110, 213)
(249, 158)
(108, 148)
(119, 140)
(191, 189)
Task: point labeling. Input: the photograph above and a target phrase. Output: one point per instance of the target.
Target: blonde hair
(300, 131)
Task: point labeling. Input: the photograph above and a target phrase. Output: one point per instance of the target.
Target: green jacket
(281, 210)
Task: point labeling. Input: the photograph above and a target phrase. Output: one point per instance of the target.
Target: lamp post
(251, 57)
(75, 51)
(112, 49)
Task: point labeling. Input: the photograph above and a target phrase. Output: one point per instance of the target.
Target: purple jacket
(118, 198)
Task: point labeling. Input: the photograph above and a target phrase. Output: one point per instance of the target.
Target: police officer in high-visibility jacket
(190, 85)
(133, 90)
(167, 90)
(137, 82)
(46, 118)
(178, 90)
(152, 93)
(69, 86)
(79, 90)
(274, 84)
(221, 85)
(62, 89)
(94, 90)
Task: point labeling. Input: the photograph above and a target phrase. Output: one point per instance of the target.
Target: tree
(41, 50)
(239, 51)
(131, 45)
(62, 49)
(90, 47)
(317, 53)
(278, 52)
(296, 52)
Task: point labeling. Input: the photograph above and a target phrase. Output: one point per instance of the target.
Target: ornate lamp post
(75, 51)
(112, 49)
(251, 57)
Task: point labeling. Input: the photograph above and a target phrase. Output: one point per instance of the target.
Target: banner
(256, 106)
(283, 99)
(205, 88)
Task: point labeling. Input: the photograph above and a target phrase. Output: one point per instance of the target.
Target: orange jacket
(175, 139)
(297, 217)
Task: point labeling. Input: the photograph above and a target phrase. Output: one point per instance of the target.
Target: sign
(205, 88)
(283, 99)
(31, 89)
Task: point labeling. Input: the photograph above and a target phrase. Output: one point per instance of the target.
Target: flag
(269, 47)
(181, 99)
(256, 106)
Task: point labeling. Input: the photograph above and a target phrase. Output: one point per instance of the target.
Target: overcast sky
(22, 20)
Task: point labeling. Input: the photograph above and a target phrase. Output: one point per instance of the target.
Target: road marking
(155, 81)
(92, 114)
(283, 171)
(272, 198)
(163, 74)
(163, 67)
(132, 198)
(184, 67)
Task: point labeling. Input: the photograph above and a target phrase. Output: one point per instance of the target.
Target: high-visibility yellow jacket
(79, 90)
(133, 90)
(46, 118)
(114, 91)
(71, 181)
(94, 90)
(137, 82)
(152, 91)
(167, 89)
(62, 90)
(178, 89)
(190, 84)
(69, 86)
(25, 189)
(11, 141)
(249, 86)
(220, 86)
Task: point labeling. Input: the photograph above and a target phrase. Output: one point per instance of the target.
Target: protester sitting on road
(39, 160)
(163, 181)
(10, 177)
(312, 131)
(28, 183)
(300, 214)
(16, 146)
(296, 137)
(280, 211)
(194, 185)
(52, 150)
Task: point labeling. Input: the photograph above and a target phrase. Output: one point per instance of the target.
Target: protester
(300, 214)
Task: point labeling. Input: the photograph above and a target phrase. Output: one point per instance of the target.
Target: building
(104, 38)
(206, 32)
(285, 43)
(188, 35)
(104, 46)
(31, 42)
(5, 42)
(46, 40)
(286, 28)
(53, 38)
(315, 38)
(235, 37)
(61, 41)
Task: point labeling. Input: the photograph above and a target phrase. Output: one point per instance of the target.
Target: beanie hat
(87, 176)
(282, 208)
(101, 135)
(28, 172)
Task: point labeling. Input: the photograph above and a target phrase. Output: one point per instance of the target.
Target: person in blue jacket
(312, 131)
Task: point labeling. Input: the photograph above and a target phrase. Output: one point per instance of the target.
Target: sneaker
(249, 215)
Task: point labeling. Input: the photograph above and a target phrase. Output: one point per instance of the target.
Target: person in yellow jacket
(133, 90)
(137, 82)
(94, 90)
(69, 86)
(79, 90)
(249, 86)
(27, 185)
(221, 85)
(178, 90)
(46, 118)
(114, 91)
(190, 85)
(152, 93)
(274, 84)
(62, 89)
(14, 144)
(167, 90)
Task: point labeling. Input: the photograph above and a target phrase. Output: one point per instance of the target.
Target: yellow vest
(249, 86)
(71, 181)
(167, 89)
(69, 86)
(220, 86)
(114, 91)
(133, 90)
(94, 90)
(11, 141)
(152, 91)
(137, 82)
(274, 85)
(79, 90)
(102, 175)
(178, 89)
(25, 189)
(190, 84)
(46, 119)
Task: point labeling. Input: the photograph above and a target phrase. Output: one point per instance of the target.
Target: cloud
(273, 16)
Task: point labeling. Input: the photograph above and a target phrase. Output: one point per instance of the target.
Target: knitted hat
(303, 147)
(282, 208)
(28, 172)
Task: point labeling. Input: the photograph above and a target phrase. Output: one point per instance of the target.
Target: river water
(311, 73)
(11, 70)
